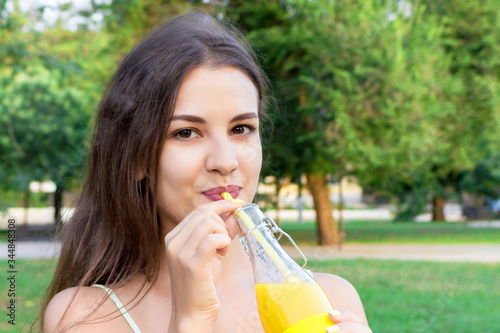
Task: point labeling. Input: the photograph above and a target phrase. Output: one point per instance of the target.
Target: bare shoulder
(341, 293)
(74, 305)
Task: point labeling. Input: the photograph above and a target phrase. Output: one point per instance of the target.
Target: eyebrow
(243, 116)
(192, 119)
(196, 119)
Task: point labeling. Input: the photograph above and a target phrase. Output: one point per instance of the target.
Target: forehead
(224, 88)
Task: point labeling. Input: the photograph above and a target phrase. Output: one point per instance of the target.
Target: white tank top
(120, 306)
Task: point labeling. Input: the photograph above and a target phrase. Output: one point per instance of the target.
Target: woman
(178, 125)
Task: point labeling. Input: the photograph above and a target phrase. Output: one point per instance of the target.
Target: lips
(215, 193)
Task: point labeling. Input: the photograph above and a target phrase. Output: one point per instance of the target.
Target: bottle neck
(270, 262)
(248, 217)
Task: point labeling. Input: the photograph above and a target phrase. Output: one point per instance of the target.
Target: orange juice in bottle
(281, 305)
(289, 300)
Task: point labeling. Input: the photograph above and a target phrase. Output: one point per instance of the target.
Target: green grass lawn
(399, 296)
(399, 233)
(414, 297)
(32, 279)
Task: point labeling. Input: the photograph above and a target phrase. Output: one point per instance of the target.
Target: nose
(222, 156)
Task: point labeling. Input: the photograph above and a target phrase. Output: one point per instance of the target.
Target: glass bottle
(288, 298)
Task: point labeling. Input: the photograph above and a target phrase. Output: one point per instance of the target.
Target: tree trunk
(438, 209)
(58, 204)
(327, 228)
(26, 205)
(278, 189)
(341, 215)
(300, 205)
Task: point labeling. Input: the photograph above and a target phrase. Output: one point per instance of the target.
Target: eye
(243, 129)
(185, 133)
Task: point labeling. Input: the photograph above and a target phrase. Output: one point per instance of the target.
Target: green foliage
(411, 202)
(402, 95)
(13, 198)
(484, 179)
(49, 86)
(46, 123)
(471, 133)
(131, 20)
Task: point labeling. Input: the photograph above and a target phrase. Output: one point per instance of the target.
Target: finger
(186, 226)
(223, 206)
(333, 329)
(206, 227)
(228, 217)
(209, 247)
(231, 225)
(344, 315)
(347, 327)
(206, 219)
(189, 238)
(217, 207)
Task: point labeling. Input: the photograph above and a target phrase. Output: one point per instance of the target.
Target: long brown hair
(115, 231)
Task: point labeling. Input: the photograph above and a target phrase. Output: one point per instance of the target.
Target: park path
(482, 253)
(33, 249)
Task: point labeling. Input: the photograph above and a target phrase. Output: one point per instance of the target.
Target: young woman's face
(212, 144)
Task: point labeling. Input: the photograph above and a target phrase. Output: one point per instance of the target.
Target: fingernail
(333, 329)
(335, 313)
(238, 201)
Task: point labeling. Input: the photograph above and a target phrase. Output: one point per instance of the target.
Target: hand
(347, 322)
(194, 252)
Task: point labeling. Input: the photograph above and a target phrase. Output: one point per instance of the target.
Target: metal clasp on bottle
(269, 223)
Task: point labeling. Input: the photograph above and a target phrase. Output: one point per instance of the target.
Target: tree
(370, 85)
(47, 127)
(286, 39)
(57, 77)
(484, 179)
(46, 99)
(472, 132)
(361, 85)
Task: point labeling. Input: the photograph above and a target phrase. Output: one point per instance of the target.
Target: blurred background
(377, 104)
(384, 129)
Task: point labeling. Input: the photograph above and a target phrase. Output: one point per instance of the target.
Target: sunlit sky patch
(70, 19)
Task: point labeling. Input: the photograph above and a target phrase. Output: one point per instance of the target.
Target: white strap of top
(120, 306)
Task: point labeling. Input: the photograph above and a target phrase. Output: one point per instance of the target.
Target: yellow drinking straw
(267, 247)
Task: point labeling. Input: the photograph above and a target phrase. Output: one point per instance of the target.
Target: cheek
(251, 157)
(179, 167)
(178, 171)
(251, 163)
